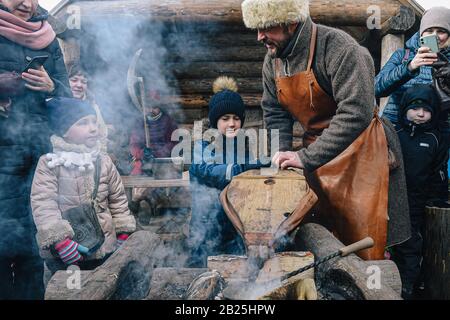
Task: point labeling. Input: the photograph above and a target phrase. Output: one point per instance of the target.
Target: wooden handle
(365, 243)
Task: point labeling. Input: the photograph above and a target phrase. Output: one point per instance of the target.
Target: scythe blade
(133, 81)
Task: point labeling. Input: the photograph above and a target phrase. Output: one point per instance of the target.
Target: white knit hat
(261, 14)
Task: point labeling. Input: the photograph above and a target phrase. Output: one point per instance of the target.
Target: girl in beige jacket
(64, 179)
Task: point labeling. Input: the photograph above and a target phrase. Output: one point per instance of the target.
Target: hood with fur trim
(261, 14)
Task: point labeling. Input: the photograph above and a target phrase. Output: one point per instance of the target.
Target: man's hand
(38, 80)
(287, 159)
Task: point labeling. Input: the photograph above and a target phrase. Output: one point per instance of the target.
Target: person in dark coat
(24, 34)
(214, 165)
(160, 126)
(423, 153)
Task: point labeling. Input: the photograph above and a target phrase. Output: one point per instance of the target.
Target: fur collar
(72, 156)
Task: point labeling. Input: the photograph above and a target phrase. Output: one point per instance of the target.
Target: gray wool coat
(345, 70)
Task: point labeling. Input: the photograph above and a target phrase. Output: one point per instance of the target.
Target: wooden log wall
(207, 39)
(342, 12)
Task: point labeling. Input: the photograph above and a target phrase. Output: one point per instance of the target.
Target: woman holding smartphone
(24, 35)
(413, 65)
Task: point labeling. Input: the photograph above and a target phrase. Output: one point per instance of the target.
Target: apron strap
(312, 46)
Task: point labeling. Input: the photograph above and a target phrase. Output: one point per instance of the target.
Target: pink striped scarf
(33, 35)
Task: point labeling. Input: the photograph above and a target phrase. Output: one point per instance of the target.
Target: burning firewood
(299, 289)
(206, 286)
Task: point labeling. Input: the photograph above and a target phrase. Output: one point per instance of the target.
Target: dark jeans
(21, 278)
(408, 255)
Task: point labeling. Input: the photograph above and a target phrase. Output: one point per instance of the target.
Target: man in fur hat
(323, 78)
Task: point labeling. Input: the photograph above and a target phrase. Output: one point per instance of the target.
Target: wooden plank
(149, 182)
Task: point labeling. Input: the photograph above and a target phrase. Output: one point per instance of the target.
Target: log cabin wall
(201, 40)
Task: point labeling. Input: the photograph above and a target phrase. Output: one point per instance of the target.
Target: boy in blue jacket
(214, 164)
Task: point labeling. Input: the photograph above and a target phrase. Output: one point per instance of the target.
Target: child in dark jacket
(214, 164)
(160, 126)
(423, 154)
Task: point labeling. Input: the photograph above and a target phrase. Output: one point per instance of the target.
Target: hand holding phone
(36, 63)
(37, 77)
(431, 41)
(424, 57)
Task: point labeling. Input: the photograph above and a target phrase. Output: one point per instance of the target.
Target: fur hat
(225, 100)
(261, 14)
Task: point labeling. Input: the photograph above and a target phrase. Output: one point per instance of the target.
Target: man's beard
(279, 47)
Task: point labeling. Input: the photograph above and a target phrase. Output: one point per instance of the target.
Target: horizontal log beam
(204, 86)
(148, 182)
(343, 12)
(399, 23)
(219, 54)
(197, 101)
(180, 40)
(212, 70)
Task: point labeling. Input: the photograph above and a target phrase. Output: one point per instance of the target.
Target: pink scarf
(33, 35)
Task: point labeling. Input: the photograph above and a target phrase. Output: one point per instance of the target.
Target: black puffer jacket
(423, 150)
(24, 136)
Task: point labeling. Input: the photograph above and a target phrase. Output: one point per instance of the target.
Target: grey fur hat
(261, 14)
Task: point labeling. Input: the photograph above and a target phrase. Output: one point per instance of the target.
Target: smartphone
(431, 42)
(36, 63)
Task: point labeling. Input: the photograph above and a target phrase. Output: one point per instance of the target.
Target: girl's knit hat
(225, 100)
(64, 112)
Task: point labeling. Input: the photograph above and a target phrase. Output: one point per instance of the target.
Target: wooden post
(389, 44)
(437, 253)
(70, 48)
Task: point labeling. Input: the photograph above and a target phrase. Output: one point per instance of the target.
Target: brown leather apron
(353, 187)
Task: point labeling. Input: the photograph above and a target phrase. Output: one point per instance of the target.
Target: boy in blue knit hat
(65, 179)
(214, 165)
